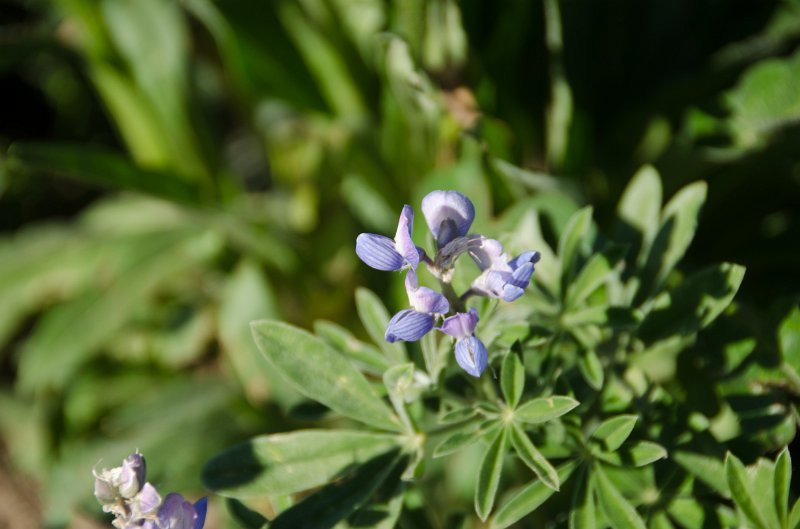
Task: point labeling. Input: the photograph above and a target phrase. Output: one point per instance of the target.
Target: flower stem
(456, 303)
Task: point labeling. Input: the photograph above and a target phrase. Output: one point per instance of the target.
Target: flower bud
(132, 475)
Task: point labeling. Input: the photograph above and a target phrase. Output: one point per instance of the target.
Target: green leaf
(489, 475)
(544, 409)
(398, 381)
(375, 317)
(292, 462)
(789, 339)
(614, 431)
(583, 514)
(335, 502)
(638, 209)
(244, 516)
(246, 297)
(637, 455)
(742, 492)
(462, 439)
(591, 368)
(794, 516)
(383, 509)
(72, 332)
(100, 167)
(574, 236)
(365, 356)
(528, 499)
(533, 458)
(617, 509)
(591, 277)
(707, 469)
(783, 482)
(676, 231)
(512, 378)
(694, 304)
(317, 371)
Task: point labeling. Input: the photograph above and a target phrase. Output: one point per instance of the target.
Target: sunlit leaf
(614, 431)
(637, 455)
(544, 409)
(528, 499)
(375, 317)
(638, 209)
(533, 458)
(489, 475)
(316, 370)
(573, 239)
(512, 378)
(742, 492)
(365, 355)
(618, 510)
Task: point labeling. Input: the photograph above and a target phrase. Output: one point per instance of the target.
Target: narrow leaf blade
(512, 378)
(617, 509)
(528, 499)
(533, 458)
(614, 431)
(544, 409)
(489, 475)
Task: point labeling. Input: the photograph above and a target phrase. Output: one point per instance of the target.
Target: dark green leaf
(327, 507)
(101, 167)
(533, 458)
(512, 378)
(247, 518)
(292, 462)
(639, 207)
(528, 499)
(575, 236)
(617, 509)
(316, 370)
(489, 475)
(694, 304)
(789, 339)
(583, 515)
(544, 409)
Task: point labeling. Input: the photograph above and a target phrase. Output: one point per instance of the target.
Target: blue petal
(488, 253)
(378, 252)
(472, 356)
(404, 245)
(449, 214)
(523, 258)
(522, 275)
(511, 292)
(424, 299)
(200, 506)
(408, 325)
(177, 513)
(460, 325)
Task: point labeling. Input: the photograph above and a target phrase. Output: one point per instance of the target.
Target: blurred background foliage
(170, 171)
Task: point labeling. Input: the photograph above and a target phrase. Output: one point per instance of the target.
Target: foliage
(178, 170)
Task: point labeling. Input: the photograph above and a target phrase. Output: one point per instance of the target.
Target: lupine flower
(410, 325)
(471, 354)
(449, 215)
(136, 504)
(501, 277)
(382, 253)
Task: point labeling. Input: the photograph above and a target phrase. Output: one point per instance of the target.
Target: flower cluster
(449, 215)
(136, 504)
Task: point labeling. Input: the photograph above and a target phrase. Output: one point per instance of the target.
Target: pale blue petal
(147, 501)
(525, 257)
(378, 252)
(461, 325)
(472, 356)
(177, 513)
(488, 253)
(404, 245)
(424, 299)
(511, 292)
(449, 214)
(408, 326)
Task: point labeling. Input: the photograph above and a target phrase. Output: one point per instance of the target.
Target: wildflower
(382, 253)
(136, 504)
(412, 324)
(501, 277)
(471, 354)
(449, 215)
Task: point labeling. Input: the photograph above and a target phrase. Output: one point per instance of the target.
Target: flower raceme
(449, 216)
(136, 504)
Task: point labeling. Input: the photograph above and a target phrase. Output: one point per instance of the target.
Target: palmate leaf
(320, 373)
(292, 462)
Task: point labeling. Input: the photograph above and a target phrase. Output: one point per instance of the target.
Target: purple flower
(471, 354)
(410, 325)
(501, 278)
(449, 215)
(383, 253)
(177, 513)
